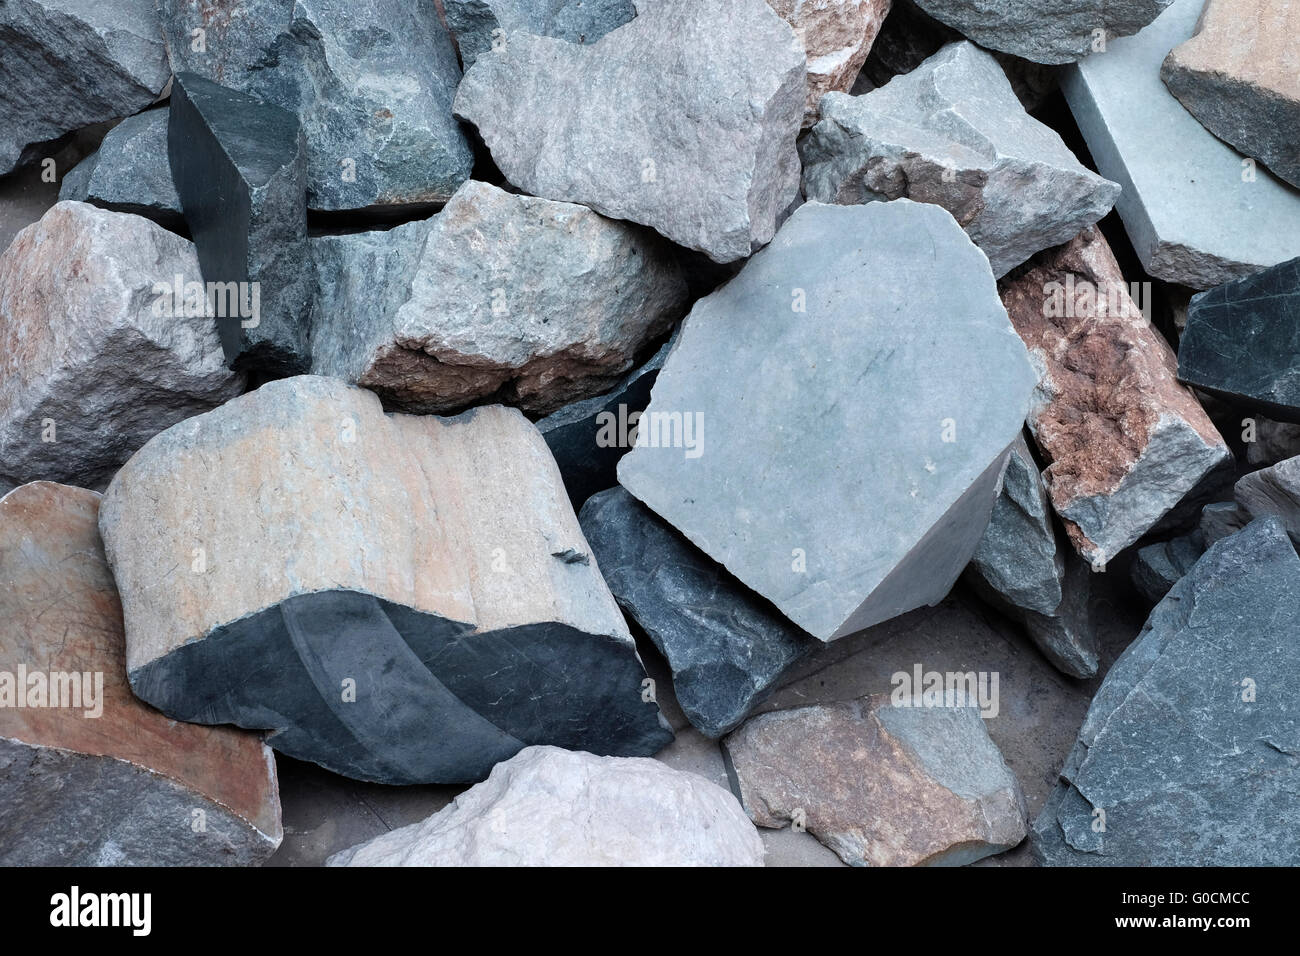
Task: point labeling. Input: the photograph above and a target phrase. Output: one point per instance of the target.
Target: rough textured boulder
(952, 133)
(1273, 491)
(239, 166)
(479, 24)
(836, 36)
(1273, 442)
(538, 303)
(1239, 75)
(727, 647)
(97, 351)
(130, 172)
(89, 776)
(1196, 212)
(881, 785)
(707, 157)
(1126, 442)
(1158, 567)
(550, 807)
(70, 64)
(794, 394)
(371, 82)
(424, 604)
(1188, 753)
(1242, 341)
(1045, 31)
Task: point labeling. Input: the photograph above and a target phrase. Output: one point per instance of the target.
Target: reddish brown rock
(89, 775)
(1125, 440)
(837, 36)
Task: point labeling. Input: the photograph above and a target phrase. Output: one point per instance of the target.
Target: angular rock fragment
(239, 166)
(952, 133)
(89, 776)
(371, 82)
(1195, 210)
(727, 647)
(793, 395)
(1272, 442)
(879, 783)
(707, 157)
(477, 24)
(1158, 567)
(538, 303)
(1242, 341)
(1020, 567)
(417, 603)
(69, 64)
(1221, 519)
(1126, 442)
(551, 807)
(1045, 31)
(1239, 75)
(98, 349)
(1188, 756)
(130, 172)
(1273, 491)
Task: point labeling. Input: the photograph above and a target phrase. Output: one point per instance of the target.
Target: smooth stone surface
(92, 361)
(551, 807)
(798, 417)
(952, 133)
(1242, 341)
(499, 296)
(425, 606)
(69, 64)
(90, 776)
(1239, 75)
(1125, 441)
(1190, 746)
(130, 172)
(836, 36)
(371, 82)
(240, 168)
(1191, 215)
(707, 157)
(879, 784)
(475, 23)
(726, 646)
(1158, 567)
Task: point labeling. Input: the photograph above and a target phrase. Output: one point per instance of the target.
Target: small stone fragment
(1221, 519)
(130, 172)
(1272, 442)
(478, 25)
(1158, 567)
(1273, 491)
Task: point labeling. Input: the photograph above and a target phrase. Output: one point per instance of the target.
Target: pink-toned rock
(837, 36)
(1125, 440)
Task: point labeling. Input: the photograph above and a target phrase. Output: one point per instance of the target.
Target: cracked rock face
(415, 603)
(708, 156)
(1239, 75)
(70, 64)
(551, 807)
(96, 355)
(130, 172)
(538, 303)
(478, 24)
(879, 784)
(1189, 750)
(1125, 440)
(797, 391)
(90, 776)
(1273, 491)
(953, 133)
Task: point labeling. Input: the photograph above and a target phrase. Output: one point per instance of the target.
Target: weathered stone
(1242, 341)
(1196, 212)
(1221, 519)
(550, 807)
(475, 23)
(240, 165)
(1273, 491)
(707, 157)
(1190, 747)
(70, 64)
(881, 784)
(89, 776)
(952, 133)
(726, 646)
(1019, 567)
(130, 172)
(97, 353)
(371, 83)
(794, 394)
(424, 604)
(1158, 567)
(1045, 31)
(1126, 442)
(836, 36)
(538, 303)
(1272, 442)
(588, 437)
(1239, 75)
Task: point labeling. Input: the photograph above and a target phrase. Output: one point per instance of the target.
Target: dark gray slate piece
(475, 22)
(1158, 567)
(130, 172)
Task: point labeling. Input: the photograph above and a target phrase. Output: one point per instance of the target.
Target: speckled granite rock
(130, 172)
(477, 24)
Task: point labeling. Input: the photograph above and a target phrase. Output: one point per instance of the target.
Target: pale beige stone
(837, 36)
